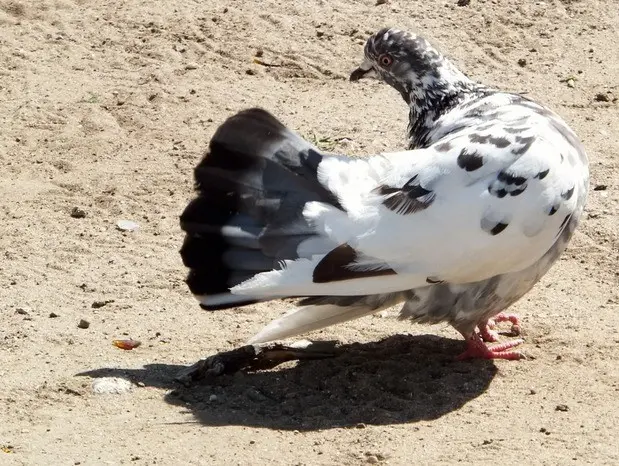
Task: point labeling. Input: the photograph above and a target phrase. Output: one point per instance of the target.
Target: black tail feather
(252, 187)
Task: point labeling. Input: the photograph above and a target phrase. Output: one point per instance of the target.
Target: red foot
(477, 349)
(486, 330)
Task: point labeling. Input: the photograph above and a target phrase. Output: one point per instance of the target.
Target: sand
(106, 107)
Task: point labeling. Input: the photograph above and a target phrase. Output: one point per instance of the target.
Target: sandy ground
(107, 106)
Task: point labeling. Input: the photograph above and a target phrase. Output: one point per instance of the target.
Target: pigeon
(455, 229)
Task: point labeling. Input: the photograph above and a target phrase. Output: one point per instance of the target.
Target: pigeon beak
(365, 70)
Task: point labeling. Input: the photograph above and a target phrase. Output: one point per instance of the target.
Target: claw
(477, 349)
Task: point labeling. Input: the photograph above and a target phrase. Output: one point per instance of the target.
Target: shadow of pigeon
(400, 379)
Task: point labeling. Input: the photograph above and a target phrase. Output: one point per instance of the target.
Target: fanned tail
(252, 186)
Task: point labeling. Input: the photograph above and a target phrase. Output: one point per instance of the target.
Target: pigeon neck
(432, 95)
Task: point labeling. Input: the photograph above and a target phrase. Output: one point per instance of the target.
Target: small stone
(255, 395)
(522, 62)
(372, 459)
(562, 407)
(100, 304)
(83, 324)
(111, 385)
(212, 398)
(191, 66)
(250, 72)
(463, 2)
(380, 2)
(76, 212)
(602, 97)
(570, 83)
(252, 442)
(21, 311)
(600, 187)
(320, 33)
(361, 425)
(127, 225)
(53, 315)
(532, 391)
(259, 53)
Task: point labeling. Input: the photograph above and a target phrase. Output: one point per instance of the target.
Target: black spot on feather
(470, 161)
(541, 175)
(526, 142)
(339, 264)
(408, 199)
(511, 179)
(567, 195)
(499, 142)
(498, 228)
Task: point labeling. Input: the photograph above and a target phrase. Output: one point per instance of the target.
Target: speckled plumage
(458, 227)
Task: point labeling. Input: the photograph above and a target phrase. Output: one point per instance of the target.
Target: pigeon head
(411, 65)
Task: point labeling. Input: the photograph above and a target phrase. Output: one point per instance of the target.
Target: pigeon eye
(385, 60)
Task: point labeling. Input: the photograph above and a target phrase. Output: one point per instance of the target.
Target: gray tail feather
(252, 186)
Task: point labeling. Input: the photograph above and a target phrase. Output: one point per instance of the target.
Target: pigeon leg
(486, 329)
(256, 357)
(477, 349)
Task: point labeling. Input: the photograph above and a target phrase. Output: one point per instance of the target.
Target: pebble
(562, 407)
(255, 395)
(76, 212)
(21, 311)
(191, 66)
(53, 315)
(127, 225)
(100, 304)
(83, 324)
(602, 97)
(111, 385)
(212, 398)
(522, 62)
